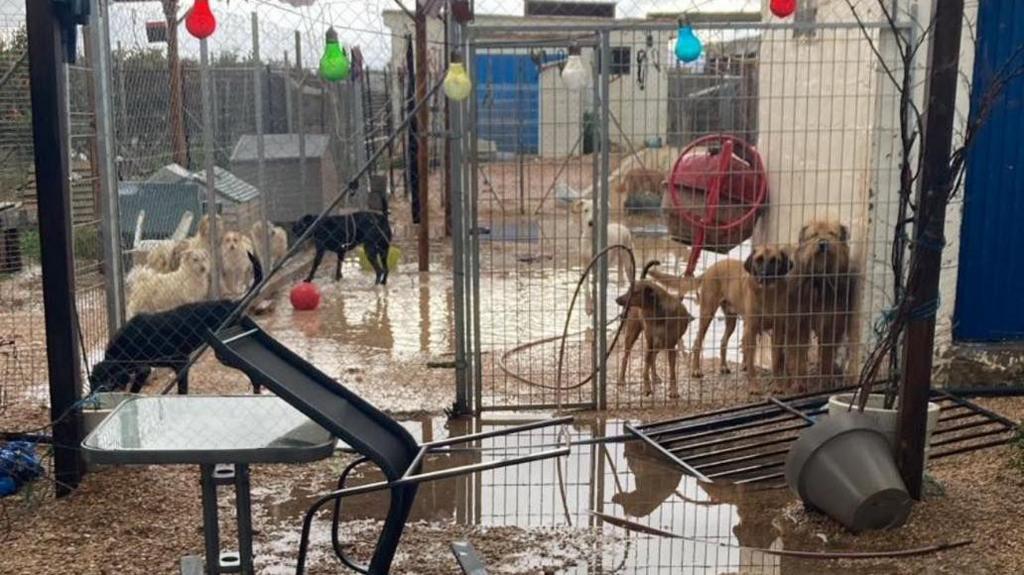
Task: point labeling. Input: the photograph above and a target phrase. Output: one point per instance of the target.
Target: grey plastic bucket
(843, 466)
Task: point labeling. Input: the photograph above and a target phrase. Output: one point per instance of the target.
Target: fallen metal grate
(748, 444)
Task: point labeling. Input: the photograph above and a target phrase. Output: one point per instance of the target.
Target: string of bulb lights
(335, 65)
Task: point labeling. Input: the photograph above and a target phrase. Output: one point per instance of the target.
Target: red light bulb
(200, 22)
(783, 8)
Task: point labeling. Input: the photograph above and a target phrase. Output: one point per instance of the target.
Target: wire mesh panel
(755, 183)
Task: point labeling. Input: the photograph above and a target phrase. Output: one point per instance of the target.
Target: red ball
(305, 296)
(783, 8)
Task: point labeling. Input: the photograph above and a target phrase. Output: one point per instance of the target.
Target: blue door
(508, 101)
(990, 286)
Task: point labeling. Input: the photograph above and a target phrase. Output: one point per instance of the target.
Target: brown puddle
(624, 480)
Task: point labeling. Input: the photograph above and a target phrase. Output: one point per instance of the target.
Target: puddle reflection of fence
(619, 479)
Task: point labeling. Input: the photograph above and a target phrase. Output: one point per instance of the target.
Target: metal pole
(301, 125)
(179, 146)
(926, 257)
(601, 380)
(450, 40)
(113, 274)
(211, 182)
(423, 124)
(261, 165)
(456, 200)
(53, 191)
(473, 256)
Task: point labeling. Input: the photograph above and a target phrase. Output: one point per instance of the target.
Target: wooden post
(53, 191)
(423, 125)
(179, 147)
(926, 256)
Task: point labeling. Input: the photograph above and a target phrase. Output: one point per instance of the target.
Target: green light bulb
(334, 65)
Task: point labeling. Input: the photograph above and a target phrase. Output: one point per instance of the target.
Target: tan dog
(278, 242)
(823, 263)
(236, 269)
(639, 181)
(151, 291)
(758, 289)
(663, 321)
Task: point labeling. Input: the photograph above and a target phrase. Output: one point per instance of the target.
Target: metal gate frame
(466, 220)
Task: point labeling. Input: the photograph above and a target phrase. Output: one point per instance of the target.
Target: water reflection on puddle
(624, 480)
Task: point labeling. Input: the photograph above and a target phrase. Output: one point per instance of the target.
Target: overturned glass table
(221, 434)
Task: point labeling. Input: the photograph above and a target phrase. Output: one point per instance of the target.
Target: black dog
(339, 234)
(164, 339)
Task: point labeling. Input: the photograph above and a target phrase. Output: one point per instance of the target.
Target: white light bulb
(575, 74)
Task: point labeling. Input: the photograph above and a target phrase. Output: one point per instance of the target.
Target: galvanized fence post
(463, 391)
(473, 238)
(602, 204)
(261, 167)
(208, 155)
(113, 276)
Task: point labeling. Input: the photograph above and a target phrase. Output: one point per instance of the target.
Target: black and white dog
(341, 233)
(163, 339)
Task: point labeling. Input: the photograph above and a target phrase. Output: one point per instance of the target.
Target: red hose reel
(714, 195)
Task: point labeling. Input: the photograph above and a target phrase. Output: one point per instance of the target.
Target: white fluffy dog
(236, 269)
(152, 291)
(278, 242)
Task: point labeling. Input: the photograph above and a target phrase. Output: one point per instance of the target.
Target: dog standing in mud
(762, 291)
(829, 278)
(663, 319)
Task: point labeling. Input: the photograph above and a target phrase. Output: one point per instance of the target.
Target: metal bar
(984, 391)
(211, 526)
(975, 407)
(113, 274)
(968, 425)
(707, 431)
(542, 406)
(584, 41)
(500, 432)
(758, 479)
(932, 196)
(742, 458)
(792, 410)
(53, 193)
(968, 437)
(603, 207)
(451, 472)
(671, 457)
(671, 26)
(211, 181)
(473, 259)
(261, 152)
(243, 515)
(733, 439)
(748, 469)
(457, 199)
(414, 465)
(423, 145)
(969, 448)
(735, 449)
(300, 109)
(803, 400)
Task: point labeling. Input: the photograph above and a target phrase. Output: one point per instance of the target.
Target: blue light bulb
(688, 46)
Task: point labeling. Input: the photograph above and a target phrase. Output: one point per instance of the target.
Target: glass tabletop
(172, 429)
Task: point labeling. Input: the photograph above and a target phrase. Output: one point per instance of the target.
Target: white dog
(618, 234)
(236, 269)
(278, 242)
(152, 291)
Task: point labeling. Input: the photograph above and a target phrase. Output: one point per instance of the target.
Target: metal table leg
(211, 526)
(243, 511)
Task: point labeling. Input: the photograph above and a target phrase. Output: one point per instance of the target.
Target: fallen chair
(377, 437)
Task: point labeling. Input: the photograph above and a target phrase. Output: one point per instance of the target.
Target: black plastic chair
(372, 433)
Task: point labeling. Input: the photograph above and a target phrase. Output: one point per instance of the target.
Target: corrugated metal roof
(165, 204)
(279, 147)
(227, 184)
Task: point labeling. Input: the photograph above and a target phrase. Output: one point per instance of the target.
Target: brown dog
(823, 263)
(663, 320)
(639, 181)
(759, 289)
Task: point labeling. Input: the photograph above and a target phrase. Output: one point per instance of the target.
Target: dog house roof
(280, 147)
(228, 185)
